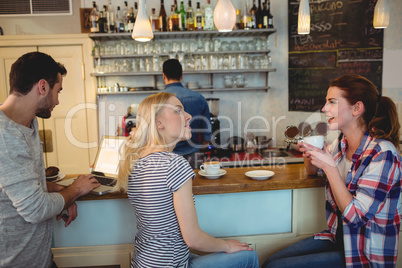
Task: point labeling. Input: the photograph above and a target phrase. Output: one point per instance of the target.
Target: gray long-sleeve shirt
(26, 207)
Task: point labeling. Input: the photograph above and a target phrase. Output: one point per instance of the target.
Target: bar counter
(289, 176)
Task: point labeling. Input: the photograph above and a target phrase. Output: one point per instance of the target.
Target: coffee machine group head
(213, 104)
(129, 121)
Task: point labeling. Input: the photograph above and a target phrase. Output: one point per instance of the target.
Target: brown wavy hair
(380, 114)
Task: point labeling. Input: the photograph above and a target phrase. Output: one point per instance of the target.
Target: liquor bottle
(162, 18)
(135, 10)
(258, 16)
(253, 10)
(265, 16)
(119, 21)
(209, 17)
(198, 18)
(126, 15)
(270, 17)
(154, 21)
(102, 22)
(110, 18)
(254, 7)
(173, 20)
(246, 17)
(239, 24)
(176, 7)
(182, 18)
(131, 20)
(94, 17)
(190, 17)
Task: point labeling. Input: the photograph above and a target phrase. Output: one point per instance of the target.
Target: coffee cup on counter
(317, 141)
(211, 168)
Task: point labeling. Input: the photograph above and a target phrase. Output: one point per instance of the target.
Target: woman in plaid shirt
(363, 190)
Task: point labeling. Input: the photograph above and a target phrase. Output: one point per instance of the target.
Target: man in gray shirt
(27, 202)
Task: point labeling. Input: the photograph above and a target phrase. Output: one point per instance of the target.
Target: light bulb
(303, 24)
(381, 14)
(142, 27)
(224, 16)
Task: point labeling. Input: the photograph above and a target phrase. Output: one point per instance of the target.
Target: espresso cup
(317, 141)
(211, 168)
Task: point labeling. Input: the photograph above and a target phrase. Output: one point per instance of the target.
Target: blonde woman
(159, 187)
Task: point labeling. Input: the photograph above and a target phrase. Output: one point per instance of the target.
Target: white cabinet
(8, 55)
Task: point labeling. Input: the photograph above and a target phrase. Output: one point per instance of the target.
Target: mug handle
(202, 167)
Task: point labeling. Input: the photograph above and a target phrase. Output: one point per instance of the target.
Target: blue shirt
(196, 105)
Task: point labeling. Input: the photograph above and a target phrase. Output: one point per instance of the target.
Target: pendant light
(303, 25)
(142, 27)
(224, 16)
(381, 14)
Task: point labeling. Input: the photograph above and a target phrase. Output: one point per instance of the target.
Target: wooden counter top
(290, 176)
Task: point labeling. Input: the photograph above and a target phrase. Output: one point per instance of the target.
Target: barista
(194, 104)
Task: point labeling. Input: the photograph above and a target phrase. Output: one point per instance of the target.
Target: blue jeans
(309, 253)
(242, 259)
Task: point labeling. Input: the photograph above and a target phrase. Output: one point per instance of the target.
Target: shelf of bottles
(110, 23)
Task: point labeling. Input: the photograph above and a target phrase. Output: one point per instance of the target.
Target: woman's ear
(358, 108)
(159, 124)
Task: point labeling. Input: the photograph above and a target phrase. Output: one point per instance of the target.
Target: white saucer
(212, 177)
(58, 177)
(260, 174)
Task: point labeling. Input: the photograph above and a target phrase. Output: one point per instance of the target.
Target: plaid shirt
(371, 221)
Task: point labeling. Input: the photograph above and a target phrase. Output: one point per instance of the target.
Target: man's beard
(44, 107)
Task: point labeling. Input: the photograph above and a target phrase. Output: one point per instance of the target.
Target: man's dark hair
(172, 69)
(32, 67)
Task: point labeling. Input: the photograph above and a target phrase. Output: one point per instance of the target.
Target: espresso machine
(213, 104)
(129, 120)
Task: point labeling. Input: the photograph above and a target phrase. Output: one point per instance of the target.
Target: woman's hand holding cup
(311, 143)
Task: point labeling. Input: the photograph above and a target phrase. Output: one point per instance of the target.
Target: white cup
(317, 141)
(211, 168)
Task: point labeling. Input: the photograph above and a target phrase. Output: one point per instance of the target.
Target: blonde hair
(146, 136)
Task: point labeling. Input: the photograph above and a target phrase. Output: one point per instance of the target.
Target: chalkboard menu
(342, 40)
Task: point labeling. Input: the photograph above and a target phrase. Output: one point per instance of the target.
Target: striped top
(371, 221)
(151, 184)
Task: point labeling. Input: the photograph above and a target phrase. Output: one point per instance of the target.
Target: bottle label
(95, 27)
(209, 20)
(265, 21)
(198, 22)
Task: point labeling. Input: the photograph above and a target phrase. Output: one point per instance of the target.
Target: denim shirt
(196, 105)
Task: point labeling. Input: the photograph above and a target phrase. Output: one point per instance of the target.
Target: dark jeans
(309, 253)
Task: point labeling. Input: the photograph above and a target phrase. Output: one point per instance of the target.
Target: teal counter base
(113, 221)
